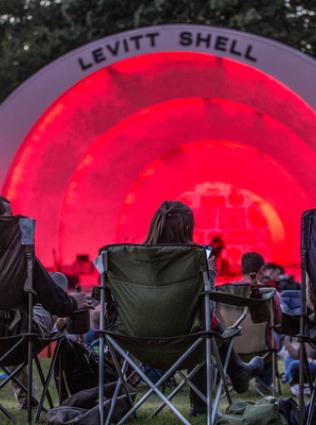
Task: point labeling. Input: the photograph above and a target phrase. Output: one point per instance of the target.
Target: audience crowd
(173, 223)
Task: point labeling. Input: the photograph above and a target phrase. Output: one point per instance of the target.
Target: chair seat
(160, 353)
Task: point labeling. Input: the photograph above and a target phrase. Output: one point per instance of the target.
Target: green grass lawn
(143, 417)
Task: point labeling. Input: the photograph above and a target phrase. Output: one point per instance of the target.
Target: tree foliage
(35, 32)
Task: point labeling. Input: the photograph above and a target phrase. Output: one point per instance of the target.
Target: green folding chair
(159, 313)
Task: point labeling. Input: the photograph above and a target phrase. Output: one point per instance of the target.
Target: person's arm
(52, 297)
(292, 349)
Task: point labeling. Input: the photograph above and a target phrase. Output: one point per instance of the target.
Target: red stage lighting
(106, 153)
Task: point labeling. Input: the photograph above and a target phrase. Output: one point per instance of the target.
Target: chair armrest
(241, 318)
(237, 301)
(235, 328)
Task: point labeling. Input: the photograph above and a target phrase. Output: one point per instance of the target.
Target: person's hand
(61, 323)
(287, 341)
(83, 301)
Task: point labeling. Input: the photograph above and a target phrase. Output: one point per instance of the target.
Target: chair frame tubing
(102, 287)
(30, 263)
(301, 396)
(154, 387)
(46, 382)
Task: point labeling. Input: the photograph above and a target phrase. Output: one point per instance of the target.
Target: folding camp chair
(158, 303)
(16, 284)
(308, 417)
(291, 307)
(257, 328)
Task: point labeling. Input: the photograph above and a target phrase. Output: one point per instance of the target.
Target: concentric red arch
(151, 127)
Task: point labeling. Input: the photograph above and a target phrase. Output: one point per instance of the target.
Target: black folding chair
(18, 351)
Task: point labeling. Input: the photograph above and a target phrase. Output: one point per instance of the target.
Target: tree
(35, 32)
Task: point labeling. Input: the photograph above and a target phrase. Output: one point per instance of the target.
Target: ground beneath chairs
(166, 417)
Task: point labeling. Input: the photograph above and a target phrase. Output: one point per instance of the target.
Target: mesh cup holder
(79, 322)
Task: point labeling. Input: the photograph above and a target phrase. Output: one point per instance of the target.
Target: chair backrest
(13, 271)
(255, 337)
(156, 288)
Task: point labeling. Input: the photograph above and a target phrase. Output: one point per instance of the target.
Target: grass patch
(143, 417)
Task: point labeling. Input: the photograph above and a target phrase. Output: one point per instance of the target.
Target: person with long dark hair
(173, 223)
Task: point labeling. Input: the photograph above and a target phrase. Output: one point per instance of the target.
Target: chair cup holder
(79, 322)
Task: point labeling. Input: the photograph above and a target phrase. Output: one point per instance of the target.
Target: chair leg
(169, 397)
(307, 370)
(11, 376)
(312, 403)
(42, 378)
(276, 380)
(7, 414)
(185, 380)
(115, 395)
(121, 376)
(29, 390)
(273, 373)
(192, 386)
(222, 369)
(209, 380)
(153, 387)
(47, 382)
(12, 349)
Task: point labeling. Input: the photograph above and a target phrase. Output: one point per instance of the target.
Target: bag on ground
(82, 408)
(264, 412)
(76, 369)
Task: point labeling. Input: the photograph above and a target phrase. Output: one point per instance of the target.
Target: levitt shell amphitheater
(219, 119)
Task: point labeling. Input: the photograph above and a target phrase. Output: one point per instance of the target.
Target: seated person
(50, 298)
(253, 262)
(287, 282)
(271, 273)
(222, 265)
(92, 334)
(292, 362)
(274, 276)
(173, 223)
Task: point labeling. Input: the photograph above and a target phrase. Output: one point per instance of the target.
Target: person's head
(251, 262)
(60, 279)
(172, 223)
(272, 271)
(5, 207)
(218, 245)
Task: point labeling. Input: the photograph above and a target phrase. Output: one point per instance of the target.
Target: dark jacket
(52, 297)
